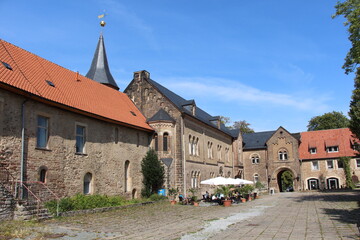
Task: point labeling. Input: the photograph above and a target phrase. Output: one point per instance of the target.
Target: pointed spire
(99, 69)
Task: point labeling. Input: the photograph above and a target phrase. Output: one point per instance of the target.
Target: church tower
(99, 70)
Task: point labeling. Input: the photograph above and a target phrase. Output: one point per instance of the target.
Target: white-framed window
(332, 149)
(312, 150)
(315, 165)
(357, 163)
(330, 164)
(255, 159)
(283, 155)
(42, 133)
(80, 138)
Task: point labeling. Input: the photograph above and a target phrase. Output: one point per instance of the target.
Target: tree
(350, 9)
(153, 173)
(286, 180)
(243, 126)
(331, 120)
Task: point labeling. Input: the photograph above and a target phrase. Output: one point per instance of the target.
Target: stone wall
(104, 157)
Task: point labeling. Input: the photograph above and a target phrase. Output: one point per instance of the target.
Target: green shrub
(81, 202)
(157, 197)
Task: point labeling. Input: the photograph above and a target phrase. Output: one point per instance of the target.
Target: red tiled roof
(326, 138)
(74, 92)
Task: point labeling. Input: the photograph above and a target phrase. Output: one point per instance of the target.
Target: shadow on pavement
(344, 215)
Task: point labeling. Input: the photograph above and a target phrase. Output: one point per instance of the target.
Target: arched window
(88, 183)
(197, 147)
(256, 178)
(42, 175)
(193, 147)
(255, 159)
(127, 176)
(165, 142)
(156, 142)
(283, 154)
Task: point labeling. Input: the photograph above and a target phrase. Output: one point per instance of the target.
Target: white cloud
(230, 91)
(290, 73)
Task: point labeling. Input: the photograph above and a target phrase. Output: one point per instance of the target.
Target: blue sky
(271, 63)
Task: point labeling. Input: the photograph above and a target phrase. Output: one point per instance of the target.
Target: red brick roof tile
(30, 72)
(327, 138)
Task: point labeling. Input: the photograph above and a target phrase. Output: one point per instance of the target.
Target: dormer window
(312, 150)
(332, 149)
(216, 121)
(190, 106)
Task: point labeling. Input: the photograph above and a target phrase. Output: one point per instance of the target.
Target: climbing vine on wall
(346, 163)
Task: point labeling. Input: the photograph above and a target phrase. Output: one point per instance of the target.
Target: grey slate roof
(179, 102)
(234, 132)
(161, 115)
(99, 69)
(256, 140)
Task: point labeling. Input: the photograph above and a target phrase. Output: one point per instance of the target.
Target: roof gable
(161, 115)
(71, 90)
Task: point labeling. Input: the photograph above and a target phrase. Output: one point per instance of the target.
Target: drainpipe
(22, 160)
(183, 153)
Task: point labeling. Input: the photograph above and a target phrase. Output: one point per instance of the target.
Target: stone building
(320, 152)
(267, 155)
(64, 132)
(192, 144)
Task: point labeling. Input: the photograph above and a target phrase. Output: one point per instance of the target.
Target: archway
(285, 179)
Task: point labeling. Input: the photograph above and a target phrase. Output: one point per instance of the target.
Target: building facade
(320, 153)
(63, 134)
(192, 144)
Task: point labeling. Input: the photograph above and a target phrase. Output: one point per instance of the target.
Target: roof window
(7, 65)
(50, 83)
(133, 113)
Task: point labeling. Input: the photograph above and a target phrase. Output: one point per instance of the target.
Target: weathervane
(102, 22)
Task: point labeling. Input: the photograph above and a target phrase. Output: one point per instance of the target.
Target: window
(165, 142)
(42, 175)
(156, 142)
(210, 150)
(312, 150)
(283, 155)
(80, 139)
(330, 164)
(357, 163)
(315, 165)
(332, 149)
(197, 147)
(190, 145)
(340, 164)
(255, 159)
(256, 178)
(42, 134)
(219, 152)
(88, 183)
(127, 176)
(227, 159)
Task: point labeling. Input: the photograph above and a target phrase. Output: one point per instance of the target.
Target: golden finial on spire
(102, 22)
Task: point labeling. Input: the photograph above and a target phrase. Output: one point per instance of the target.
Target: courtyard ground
(308, 215)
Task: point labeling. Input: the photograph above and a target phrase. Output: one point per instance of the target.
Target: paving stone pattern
(310, 215)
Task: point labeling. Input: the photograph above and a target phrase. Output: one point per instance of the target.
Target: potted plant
(258, 187)
(193, 196)
(246, 191)
(173, 192)
(226, 191)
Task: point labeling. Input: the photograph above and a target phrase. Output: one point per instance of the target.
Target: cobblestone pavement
(310, 215)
